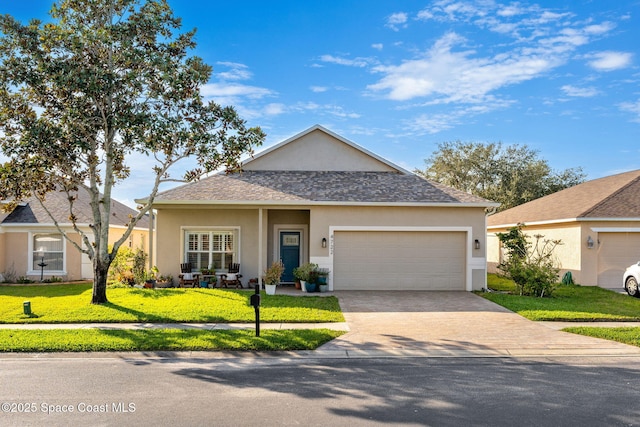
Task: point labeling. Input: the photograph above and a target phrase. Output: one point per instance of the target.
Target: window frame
(33, 268)
(211, 231)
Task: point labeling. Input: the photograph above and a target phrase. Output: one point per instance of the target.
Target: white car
(631, 279)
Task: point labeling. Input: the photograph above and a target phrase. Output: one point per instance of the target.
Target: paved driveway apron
(442, 324)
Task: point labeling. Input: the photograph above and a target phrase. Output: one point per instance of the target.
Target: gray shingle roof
(615, 196)
(32, 212)
(309, 187)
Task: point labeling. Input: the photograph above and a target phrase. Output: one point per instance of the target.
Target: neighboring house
(28, 236)
(598, 222)
(317, 197)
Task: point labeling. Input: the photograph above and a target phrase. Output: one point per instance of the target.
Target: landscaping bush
(532, 266)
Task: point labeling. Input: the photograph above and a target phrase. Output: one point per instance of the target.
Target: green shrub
(532, 266)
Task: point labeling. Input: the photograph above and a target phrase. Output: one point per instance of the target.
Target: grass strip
(567, 303)
(625, 335)
(79, 340)
(71, 304)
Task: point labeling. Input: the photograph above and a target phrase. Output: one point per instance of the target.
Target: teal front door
(289, 253)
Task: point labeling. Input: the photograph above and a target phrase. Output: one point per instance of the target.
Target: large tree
(510, 175)
(105, 82)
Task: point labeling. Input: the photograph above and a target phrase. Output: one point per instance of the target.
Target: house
(317, 197)
(597, 221)
(28, 237)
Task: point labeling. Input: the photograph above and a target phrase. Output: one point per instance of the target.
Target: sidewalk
(338, 326)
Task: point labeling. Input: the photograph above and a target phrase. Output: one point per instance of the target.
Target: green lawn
(573, 303)
(626, 335)
(569, 303)
(74, 340)
(71, 304)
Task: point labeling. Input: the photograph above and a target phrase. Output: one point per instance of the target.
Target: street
(133, 389)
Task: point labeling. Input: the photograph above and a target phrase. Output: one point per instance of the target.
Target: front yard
(71, 304)
(573, 303)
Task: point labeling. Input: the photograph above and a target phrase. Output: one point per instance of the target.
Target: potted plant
(322, 274)
(164, 281)
(303, 273)
(311, 285)
(272, 277)
(150, 277)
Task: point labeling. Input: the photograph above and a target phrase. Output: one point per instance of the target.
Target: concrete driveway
(452, 324)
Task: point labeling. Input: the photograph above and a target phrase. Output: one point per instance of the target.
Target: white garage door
(392, 260)
(616, 252)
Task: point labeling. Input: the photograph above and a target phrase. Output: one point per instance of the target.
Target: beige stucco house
(318, 197)
(597, 221)
(28, 235)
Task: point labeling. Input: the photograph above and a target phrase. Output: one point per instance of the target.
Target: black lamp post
(42, 265)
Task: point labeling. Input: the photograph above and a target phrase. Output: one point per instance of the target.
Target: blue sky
(398, 77)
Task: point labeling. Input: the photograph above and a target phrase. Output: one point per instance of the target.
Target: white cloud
(356, 62)
(580, 92)
(223, 90)
(274, 109)
(377, 46)
(633, 108)
(237, 71)
(318, 89)
(511, 10)
(610, 61)
(438, 122)
(451, 72)
(605, 27)
(446, 75)
(397, 20)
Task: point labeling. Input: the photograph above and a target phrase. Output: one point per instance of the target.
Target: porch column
(151, 240)
(260, 260)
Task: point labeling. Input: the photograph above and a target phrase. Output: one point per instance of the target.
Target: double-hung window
(214, 249)
(48, 249)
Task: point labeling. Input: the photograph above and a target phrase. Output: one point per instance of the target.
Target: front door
(289, 253)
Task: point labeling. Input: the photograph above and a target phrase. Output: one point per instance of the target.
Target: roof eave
(316, 203)
(562, 221)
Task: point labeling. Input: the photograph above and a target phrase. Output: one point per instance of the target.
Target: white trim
(470, 263)
(548, 222)
(206, 228)
(63, 225)
(564, 221)
(303, 229)
(616, 230)
(293, 204)
(608, 219)
(31, 269)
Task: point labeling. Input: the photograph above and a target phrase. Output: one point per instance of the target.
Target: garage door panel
(366, 260)
(616, 251)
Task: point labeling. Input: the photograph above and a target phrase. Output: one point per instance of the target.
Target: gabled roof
(615, 196)
(352, 175)
(31, 212)
(248, 165)
(314, 187)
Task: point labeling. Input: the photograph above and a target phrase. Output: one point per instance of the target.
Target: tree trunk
(100, 272)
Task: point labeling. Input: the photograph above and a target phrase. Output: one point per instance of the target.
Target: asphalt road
(269, 391)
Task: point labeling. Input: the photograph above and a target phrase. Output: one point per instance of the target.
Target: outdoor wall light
(324, 242)
(477, 244)
(589, 242)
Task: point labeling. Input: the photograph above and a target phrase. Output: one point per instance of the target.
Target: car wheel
(631, 285)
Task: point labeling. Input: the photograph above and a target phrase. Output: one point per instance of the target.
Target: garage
(616, 252)
(399, 260)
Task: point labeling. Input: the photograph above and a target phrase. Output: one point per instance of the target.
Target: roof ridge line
(609, 197)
